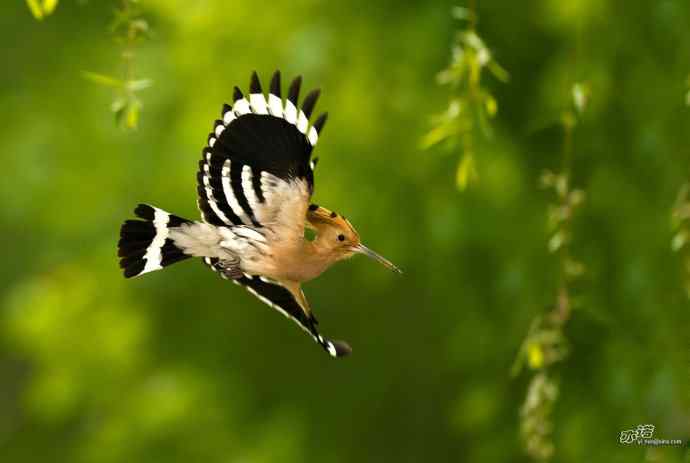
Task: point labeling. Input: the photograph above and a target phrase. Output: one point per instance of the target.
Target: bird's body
(273, 250)
(255, 183)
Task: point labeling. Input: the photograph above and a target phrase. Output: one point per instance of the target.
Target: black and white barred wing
(284, 301)
(259, 156)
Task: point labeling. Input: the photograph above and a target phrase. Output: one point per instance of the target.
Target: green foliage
(129, 29)
(126, 105)
(535, 416)
(546, 344)
(41, 9)
(559, 216)
(680, 222)
(471, 104)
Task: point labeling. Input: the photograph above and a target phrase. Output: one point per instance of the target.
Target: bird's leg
(303, 301)
(230, 268)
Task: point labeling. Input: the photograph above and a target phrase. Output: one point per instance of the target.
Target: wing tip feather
(275, 84)
(293, 93)
(338, 348)
(254, 83)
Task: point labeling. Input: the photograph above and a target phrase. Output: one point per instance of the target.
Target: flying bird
(255, 183)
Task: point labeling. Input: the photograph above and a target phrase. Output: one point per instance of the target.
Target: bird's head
(336, 236)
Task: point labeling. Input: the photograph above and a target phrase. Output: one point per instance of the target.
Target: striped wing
(257, 150)
(282, 299)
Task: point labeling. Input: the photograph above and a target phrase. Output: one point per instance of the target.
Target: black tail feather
(144, 245)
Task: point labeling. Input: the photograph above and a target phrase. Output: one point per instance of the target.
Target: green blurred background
(182, 366)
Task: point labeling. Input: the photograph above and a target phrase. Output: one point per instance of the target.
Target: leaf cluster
(536, 425)
(546, 344)
(680, 224)
(41, 8)
(129, 28)
(471, 105)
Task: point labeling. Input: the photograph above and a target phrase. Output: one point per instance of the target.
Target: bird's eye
(341, 237)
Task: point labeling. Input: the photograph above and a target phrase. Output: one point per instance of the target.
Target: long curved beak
(361, 249)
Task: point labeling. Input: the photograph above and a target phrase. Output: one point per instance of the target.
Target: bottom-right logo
(643, 435)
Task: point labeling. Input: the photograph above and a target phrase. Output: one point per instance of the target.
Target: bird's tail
(144, 245)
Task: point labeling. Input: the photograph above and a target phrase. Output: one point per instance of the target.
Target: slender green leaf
(498, 71)
(679, 240)
(140, 84)
(491, 105)
(35, 9)
(466, 172)
(132, 115)
(434, 136)
(102, 79)
(556, 241)
(49, 6)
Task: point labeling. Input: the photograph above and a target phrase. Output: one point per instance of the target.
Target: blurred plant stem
(680, 222)
(129, 29)
(471, 105)
(41, 8)
(545, 345)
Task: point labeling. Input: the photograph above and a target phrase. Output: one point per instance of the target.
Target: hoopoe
(255, 182)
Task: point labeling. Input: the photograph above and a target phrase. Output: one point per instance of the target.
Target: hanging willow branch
(680, 222)
(471, 105)
(546, 345)
(680, 219)
(129, 28)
